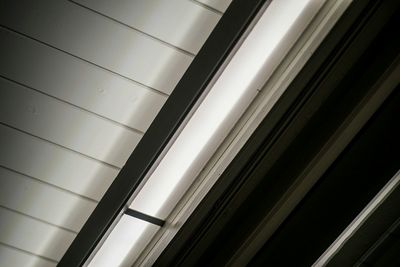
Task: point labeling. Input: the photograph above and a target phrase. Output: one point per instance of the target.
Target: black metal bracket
(145, 217)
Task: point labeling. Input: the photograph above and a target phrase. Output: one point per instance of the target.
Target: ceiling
(81, 81)
(95, 94)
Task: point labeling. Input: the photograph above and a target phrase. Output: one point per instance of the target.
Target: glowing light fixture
(253, 62)
(124, 243)
(238, 84)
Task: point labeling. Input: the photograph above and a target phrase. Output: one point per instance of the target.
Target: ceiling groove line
(116, 123)
(27, 176)
(62, 146)
(208, 7)
(38, 219)
(85, 60)
(31, 235)
(27, 252)
(147, 35)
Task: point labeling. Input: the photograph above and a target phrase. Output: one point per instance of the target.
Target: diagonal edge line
(24, 214)
(102, 162)
(27, 252)
(154, 90)
(150, 36)
(208, 7)
(85, 110)
(43, 182)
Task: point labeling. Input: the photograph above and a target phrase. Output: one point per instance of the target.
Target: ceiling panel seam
(31, 234)
(208, 7)
(116, 123)
(27, 252)
(62, 146)
(72, 22)
(147, 35)
(85, 60)
(62, 76)
(49, 184)
(39, 219)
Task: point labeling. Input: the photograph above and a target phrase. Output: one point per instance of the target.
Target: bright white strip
(248, 70)
(358, 221)
(250, 67)
(294, 61)
(125, 243)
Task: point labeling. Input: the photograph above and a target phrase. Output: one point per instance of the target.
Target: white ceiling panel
(97, 39)
(10, 257)
(77, 82)
(53, 164)
(43, 201)
(34, 236)
(162, 19)
(66, 125)
(80, 83)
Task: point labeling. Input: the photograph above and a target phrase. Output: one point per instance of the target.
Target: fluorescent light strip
(125, 242)
(246, 73)
(310, 39)
(358, 221)
(239, 83)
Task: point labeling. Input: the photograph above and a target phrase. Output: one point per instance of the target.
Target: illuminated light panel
(124, 243)
(250, 67)
(253, 63)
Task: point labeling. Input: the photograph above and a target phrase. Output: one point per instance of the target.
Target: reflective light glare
(250, 67)
(124, 243)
